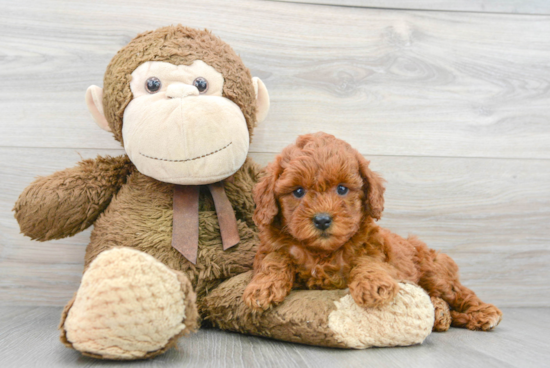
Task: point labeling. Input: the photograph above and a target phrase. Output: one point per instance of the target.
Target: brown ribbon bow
(185, 226)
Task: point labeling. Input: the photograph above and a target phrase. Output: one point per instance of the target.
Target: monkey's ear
(94, 101)
(262, 99)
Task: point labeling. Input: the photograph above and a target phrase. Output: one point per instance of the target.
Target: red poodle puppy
(316, 209)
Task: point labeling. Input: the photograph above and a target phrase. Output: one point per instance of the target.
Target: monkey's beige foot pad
(129, 306)
(325, 317)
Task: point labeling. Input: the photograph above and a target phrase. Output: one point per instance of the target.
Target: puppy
(316, 209)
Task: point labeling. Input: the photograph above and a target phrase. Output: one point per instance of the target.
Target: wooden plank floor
(30, 339)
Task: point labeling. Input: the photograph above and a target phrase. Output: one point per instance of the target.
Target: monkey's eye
(342, 190)
(299, 193)
(201, 84)
(152, 85)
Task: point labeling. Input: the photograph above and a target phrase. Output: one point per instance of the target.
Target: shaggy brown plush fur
(353, 251)
(69, 201)
(140, 217)
(229, 312)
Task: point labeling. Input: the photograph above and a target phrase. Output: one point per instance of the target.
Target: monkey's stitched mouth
(188, 159)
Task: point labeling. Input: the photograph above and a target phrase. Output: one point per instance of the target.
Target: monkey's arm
(69, 201)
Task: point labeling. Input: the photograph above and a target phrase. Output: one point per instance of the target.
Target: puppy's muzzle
(322, 221)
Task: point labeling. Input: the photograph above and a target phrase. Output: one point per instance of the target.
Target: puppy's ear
(373, 186)
(264, 195)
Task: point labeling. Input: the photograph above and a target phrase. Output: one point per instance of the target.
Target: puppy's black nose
(322, 221)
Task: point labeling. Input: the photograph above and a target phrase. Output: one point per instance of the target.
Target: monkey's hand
(69, 201)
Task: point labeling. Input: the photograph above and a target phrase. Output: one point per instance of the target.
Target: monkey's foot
(129, 306)
(442, 320)
(324, 317)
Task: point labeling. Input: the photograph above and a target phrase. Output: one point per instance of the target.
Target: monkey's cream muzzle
(178, 135)
(190, 140)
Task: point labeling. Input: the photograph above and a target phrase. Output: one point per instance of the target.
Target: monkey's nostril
(322, 221)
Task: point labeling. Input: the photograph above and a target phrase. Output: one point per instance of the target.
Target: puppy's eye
(152, 85)
(342, 190)
(299, 193)
(201, 84)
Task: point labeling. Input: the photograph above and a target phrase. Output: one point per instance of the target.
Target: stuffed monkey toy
(173, 240)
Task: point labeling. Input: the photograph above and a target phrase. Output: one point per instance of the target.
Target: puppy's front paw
(261, 296)
(373, 293)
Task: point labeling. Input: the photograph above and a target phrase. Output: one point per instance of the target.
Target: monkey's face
(186, 111)
(179, 129)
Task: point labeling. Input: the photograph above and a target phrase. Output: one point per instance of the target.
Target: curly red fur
(353, 251)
